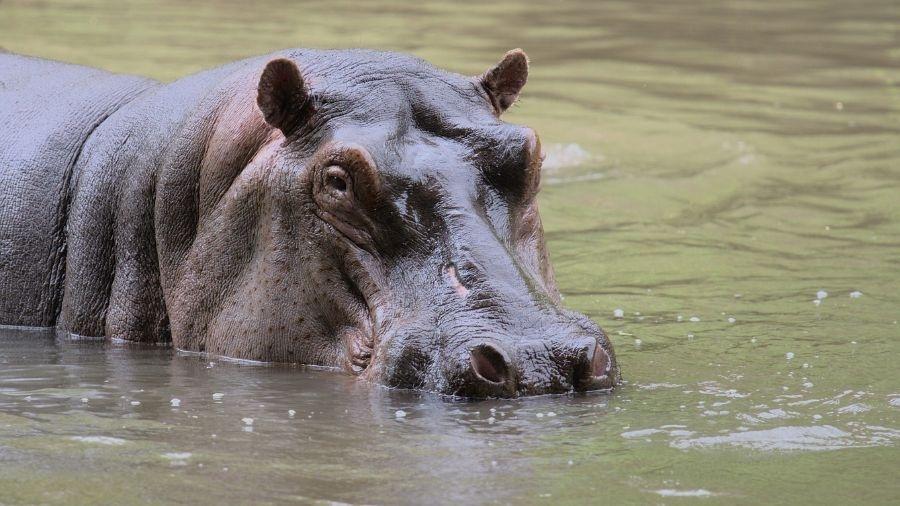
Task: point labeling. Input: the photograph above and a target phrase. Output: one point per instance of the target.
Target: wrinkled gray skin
(342, 208)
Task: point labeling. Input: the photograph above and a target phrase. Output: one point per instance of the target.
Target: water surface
(726, 176)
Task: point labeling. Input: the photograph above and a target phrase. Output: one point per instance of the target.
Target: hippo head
(400, 237)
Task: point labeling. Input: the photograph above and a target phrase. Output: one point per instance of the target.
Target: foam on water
(102, 440)
(668, 492)
(788, 438)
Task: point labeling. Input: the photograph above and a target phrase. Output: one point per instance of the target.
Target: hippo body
(352, 209)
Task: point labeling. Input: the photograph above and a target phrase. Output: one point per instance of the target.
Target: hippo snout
(496, 369)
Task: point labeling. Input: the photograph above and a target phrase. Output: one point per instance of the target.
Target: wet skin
(341, 208)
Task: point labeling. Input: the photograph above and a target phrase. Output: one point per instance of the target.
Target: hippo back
(48, 110)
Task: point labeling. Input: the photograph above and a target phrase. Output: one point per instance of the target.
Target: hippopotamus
(351, 209)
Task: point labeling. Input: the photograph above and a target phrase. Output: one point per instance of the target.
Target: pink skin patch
(453, 278)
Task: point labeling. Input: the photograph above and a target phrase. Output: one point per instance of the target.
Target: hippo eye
(336, 179)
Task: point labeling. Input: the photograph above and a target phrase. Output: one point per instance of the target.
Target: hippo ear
(282, 95)
(504, 82)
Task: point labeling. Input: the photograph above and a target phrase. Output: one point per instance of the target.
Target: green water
(721, 162)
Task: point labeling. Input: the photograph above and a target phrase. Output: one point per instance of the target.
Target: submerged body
(340, 208)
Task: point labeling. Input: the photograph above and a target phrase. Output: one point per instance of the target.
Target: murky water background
(714, 170)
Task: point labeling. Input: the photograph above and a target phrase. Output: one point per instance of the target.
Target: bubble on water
(895, 401)
(551, 413)
(738, 295)
(839, 106)
(571, 463)
(808, 384)
(493, 463)
(855, 294)
(175, 403)
(247, 421)
(135, 403)
(618, 313)
(679, 318)
(84, 399)
(399, 414)
(539, 415)
(817, 302)
(752, 339)
(805, 365)
(731, 320)
(695, 319)
(821, 294)
(690, 336)
(638, 342)
(789, 355)
(491, 420)
(291, 413)
(817, 417)
(218, 396)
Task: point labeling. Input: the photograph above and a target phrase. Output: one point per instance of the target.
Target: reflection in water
(712, 167)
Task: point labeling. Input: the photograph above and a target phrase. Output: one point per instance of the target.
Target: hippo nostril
(600, 363)
(489, 363)
(596, 371)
